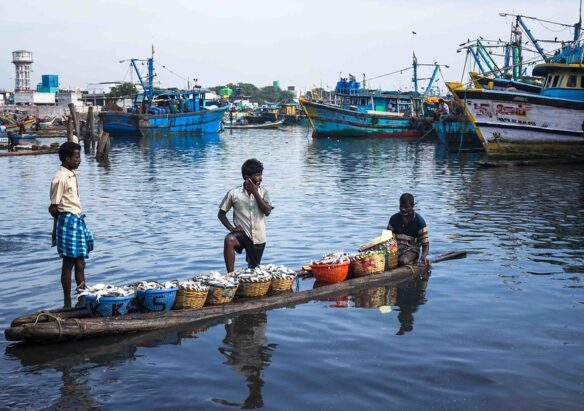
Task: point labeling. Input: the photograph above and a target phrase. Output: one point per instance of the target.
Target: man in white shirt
(73, 239)
(251, 204)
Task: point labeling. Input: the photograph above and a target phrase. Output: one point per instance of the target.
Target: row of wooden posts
(89, 137)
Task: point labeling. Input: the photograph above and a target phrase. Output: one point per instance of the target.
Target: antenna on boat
(578, 25)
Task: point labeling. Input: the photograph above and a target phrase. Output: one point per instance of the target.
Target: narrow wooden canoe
(273, 124)
(63, 325)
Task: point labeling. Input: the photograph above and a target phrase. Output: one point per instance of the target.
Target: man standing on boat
(70, 234)
(251, 204)
(411, 232)
(443, 109)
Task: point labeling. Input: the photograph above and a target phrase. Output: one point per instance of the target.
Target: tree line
(268, 94)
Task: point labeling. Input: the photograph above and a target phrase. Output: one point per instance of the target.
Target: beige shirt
(247, 213)
(65, 191)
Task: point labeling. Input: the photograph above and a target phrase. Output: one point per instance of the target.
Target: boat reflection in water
(75, 360)
(407, 298)
(247, 350)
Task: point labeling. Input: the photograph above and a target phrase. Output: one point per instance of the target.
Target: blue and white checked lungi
(74, 240)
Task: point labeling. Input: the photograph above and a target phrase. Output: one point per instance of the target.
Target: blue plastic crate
(107, 306)
(155, 300)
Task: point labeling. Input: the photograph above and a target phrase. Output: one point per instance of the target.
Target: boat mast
(414, 99)
(415, 66)
(578, 26)
(151, 75)
(431, 83)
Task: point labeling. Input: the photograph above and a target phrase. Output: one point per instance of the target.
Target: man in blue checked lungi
(70, 234)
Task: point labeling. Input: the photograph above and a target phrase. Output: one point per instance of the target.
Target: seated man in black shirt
(411, 232)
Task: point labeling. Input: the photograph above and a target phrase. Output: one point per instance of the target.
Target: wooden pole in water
(98, 135)
(69, 129)
(103, 146)
(75, 118)
(88, 138)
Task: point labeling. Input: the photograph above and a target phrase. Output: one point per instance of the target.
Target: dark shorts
(253, 252)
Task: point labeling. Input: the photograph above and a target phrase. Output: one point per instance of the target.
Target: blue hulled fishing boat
(362, 112)
(168, 110)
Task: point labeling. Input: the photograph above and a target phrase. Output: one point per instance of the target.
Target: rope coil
(56, 318)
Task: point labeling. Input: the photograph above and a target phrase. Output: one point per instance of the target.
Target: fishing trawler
(362, 112)
(165, 110)
(546, 123)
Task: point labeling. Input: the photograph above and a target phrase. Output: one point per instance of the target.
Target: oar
(451, 255)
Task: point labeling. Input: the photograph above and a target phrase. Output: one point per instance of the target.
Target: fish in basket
(282, 279)
(332, 267)
(386, 243)
(221, 288)
(367, 263)
(152, 296)
(190, 294)
(105, 300)
(253, 282)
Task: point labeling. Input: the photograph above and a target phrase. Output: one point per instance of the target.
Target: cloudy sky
(304, 43)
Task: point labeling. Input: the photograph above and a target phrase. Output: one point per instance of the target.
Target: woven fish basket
(253, 289)
(220, 295)
(279, 284)
(391, 254)
(372, 264)
(390, 249)
(190, 299)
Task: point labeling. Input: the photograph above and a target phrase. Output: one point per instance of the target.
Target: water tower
(22, 60)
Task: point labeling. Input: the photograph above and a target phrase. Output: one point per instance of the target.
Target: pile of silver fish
(215, 279)
(263, 273)
(251, 275)
(279, 271)
(106, 290)
(192, 285)
(334, 258)
(154, 285)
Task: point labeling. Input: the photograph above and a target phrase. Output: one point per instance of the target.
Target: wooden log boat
(20, 153)
(71, 324)
(272, 124)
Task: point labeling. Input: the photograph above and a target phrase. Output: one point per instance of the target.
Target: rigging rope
(172, 72)
(389, 74)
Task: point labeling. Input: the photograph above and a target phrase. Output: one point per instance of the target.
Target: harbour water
(501, 328)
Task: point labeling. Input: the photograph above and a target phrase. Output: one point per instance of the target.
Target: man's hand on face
(251, 186)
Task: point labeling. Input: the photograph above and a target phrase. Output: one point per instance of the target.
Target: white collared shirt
(65, 191)
(246, 212)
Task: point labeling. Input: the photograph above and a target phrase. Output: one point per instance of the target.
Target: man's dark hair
(251, 167)
(407, 198)
(66, 150)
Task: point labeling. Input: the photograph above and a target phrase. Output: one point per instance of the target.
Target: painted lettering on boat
(516, 121)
